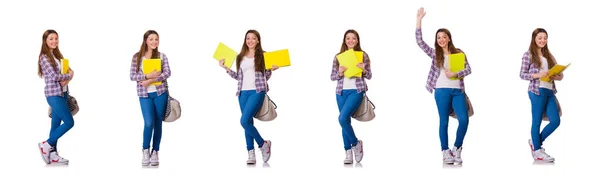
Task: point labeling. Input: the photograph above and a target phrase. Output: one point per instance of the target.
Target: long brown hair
(535, 57)
(345, 47)
(50, 53)
(439, 51)
(144, 48)
(259, 58)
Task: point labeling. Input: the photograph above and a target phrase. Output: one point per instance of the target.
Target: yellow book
(349, 60)
(359, 57)
(64, 63)
(281, 58)
(224, 52)
(457, 63)
(150, 65)
(557, 69)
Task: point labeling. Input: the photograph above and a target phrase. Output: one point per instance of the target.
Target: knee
(555, 121)
(245, 123)
(69, 123)
(148, 124)
(344, 120)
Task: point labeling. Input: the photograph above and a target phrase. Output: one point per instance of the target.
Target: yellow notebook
(64, 63)
(281, 58)
(359, 57)
(224, 52)
(150, 65)
(557, 69)
(457, 63)
(349, 60)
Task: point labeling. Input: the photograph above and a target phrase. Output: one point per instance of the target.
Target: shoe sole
(42, 153)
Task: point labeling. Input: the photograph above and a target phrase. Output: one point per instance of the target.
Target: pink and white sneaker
(266, 150)
(56, 159)
(448, 157)
(349, 157)
(358, 151)
(541, 155)
(45, 151)
(531, 147)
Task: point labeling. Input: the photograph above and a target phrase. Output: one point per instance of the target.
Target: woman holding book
(56, 90)
(349, 94)
(534, 67)
(152, 91)
(252, 77)
(449, 92)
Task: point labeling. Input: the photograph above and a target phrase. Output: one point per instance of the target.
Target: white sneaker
(531, 147)
(154, 158)
(251, 157)
(456, 152)
(349, 157)
(266, 150)
(448, 158)
(540, 155)
(145, 157)
(55, 158)
(358, 151)
(45, 151)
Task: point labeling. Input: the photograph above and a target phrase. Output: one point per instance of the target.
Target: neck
(539, 51)
(446, 50)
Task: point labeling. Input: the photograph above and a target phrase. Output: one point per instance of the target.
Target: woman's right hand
(341, 70)
(222, 63)
(540, 74)
(152, 74)
(420, 14)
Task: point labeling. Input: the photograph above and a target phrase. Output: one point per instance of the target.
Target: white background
(100, 38)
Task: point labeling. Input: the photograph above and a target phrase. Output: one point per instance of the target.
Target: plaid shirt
(139, 76)
(361, 85)
(434, 71)
(52, 78)
(260, 80)
(527, 71)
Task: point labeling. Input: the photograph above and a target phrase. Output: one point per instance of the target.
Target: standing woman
(153, 98)
(56, 92)
(449, 94)
(349, 95)
(252, 79)
(535, 64)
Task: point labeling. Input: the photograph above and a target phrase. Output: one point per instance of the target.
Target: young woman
(153, 98)
(349, 94)
(535, 64)
(56, 91)
(252, 86)
(449, 94)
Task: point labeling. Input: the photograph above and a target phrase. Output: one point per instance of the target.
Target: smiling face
(251, 40)
(152, 42)
(351, 40)
(442, 39)
(52, 41)
(541, 39)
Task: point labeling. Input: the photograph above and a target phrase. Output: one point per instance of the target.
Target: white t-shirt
(544, 84)
(247, 67)
(443, 81)
(349, 83)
